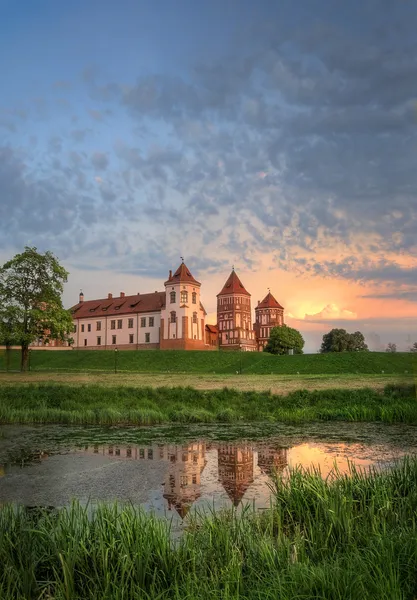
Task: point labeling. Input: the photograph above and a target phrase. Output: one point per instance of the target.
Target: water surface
(175, 470)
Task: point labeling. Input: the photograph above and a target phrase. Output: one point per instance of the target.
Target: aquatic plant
(348, 536)
(105, 405)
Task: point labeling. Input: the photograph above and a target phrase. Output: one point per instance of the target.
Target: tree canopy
(339, 340)
(284, 338)
(31, 286)
(391, 347)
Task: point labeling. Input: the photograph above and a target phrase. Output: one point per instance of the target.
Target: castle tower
(235, 467)
(268, 314)
(234, 316)
(183, 317)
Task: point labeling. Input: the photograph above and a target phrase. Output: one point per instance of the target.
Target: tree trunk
(7, 356)
(24, 358)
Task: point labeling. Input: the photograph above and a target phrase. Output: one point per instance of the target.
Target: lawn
(218, 363)
(276, 384)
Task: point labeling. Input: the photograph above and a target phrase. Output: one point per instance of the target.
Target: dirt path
(279, 384)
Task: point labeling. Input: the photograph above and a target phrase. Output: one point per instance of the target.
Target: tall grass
(347, 537)
(104, 405)
(177, 361)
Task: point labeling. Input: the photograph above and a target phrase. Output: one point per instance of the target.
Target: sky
(278, 137)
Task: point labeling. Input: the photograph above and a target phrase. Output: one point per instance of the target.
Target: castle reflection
(182, 484)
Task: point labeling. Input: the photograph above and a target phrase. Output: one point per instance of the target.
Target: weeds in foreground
(350, 536)
(104, 405)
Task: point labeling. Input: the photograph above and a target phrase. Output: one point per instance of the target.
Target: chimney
(122, 294)
(110, 296)
(259, 302)
(81, 296)
(170, 274)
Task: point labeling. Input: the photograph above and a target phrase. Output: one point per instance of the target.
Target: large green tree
(284, 338)
(31, 286)
(339, 340)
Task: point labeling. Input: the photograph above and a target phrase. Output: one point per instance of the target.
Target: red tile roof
(233, 286)
(269, 302)
(182, 275)
(212, 328)
(139, 303)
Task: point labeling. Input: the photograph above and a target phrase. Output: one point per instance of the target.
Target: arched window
(194, 297)
(184, 297)
(173, 316)
(194, 317)
(172, 297)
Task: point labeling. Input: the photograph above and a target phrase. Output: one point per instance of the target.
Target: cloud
(330, 313)
(100, 161)
(283, 147)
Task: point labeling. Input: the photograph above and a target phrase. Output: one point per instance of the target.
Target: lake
(174, 470)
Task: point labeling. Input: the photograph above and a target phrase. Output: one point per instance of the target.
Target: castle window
(89, 327)
(113, 339)
(143, 322)
(131, 338)
(151, 321)
(173, 316)
(98, 341)
(112, 324)
(74, 329)
(119, 323)
(82, 328)
(130, 324)
(147, 337)
(194, 298)
(172, 297)
(184, 297)
(98, 325)
(194, 317)
(85, 342)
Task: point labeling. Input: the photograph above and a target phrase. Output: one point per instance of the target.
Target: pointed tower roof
(269, 302)
(182, 275)
(233, 285)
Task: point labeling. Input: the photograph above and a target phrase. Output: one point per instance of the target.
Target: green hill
(172, 361)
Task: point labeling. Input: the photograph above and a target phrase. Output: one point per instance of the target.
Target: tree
(31, 285)
(414, 347)
(391, 347)
(284, 338)
(357, 343)
(339, 340)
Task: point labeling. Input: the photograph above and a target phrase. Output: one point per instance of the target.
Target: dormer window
(184, 297)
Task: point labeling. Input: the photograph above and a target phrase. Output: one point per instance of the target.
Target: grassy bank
(159, 361)
(106, 405)
(346, 538)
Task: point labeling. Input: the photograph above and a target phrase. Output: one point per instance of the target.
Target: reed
(104, 405)
(350, 536)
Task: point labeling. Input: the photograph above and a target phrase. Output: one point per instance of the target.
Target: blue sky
(279, 137)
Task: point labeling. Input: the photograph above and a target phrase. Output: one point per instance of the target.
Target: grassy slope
(123, 405)
(350, 538)
(151, 361)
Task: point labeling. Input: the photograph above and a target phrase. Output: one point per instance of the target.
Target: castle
(175, 318)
